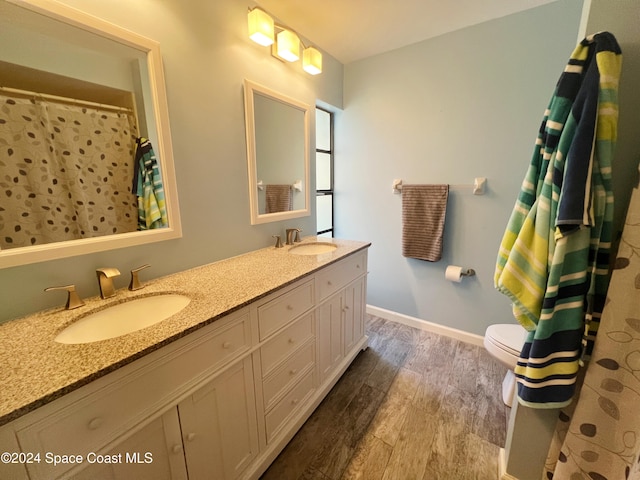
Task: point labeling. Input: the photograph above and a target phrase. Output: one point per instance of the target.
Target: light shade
(312, 60)
(288, 46)
(260, 27)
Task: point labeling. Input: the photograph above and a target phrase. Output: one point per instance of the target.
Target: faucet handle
(73, 299)
(135, 284)
(297, 237)
(278, 241)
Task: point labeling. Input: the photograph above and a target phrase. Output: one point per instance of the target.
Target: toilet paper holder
(469, 272)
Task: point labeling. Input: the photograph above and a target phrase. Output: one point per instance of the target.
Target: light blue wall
(446, 110)
(206, 55)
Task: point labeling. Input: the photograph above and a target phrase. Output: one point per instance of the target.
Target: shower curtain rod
(73, 101)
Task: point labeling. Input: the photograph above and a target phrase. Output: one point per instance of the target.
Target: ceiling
(351, 30)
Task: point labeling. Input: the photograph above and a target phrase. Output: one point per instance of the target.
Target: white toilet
(504, 342)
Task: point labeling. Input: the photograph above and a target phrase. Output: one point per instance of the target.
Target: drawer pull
(226, 345)
(191, 437)
(177, 448)
(293, 371)
(95, 423)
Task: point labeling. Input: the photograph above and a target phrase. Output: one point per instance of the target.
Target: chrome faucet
(105, 282)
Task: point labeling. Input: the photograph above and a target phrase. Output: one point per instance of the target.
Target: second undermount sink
(123, 318)
(313, 248)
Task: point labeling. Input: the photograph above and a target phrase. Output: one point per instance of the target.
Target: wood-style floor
(413, 406)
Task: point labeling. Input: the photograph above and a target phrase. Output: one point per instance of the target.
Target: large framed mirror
(277, 129)
(86, 160)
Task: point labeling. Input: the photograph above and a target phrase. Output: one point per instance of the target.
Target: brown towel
(279, 198)
(423, 212)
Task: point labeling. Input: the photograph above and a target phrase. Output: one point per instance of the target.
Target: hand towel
(423, 214)
(279, 198)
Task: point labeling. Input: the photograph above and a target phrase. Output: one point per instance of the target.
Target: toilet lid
(508, 336)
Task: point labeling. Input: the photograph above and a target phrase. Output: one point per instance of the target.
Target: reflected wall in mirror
(85, 147)
(277, 129)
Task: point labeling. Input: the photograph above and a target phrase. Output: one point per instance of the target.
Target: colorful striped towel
(148, 187)
(554, 256)
(424, 209)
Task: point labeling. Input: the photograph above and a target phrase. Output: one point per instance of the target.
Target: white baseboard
(461, 335)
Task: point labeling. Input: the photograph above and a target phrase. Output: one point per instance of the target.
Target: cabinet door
(330, 335)
(152, 453)
(219, 427)
(353, 310)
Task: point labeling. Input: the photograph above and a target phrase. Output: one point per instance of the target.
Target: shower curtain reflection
(66, 171)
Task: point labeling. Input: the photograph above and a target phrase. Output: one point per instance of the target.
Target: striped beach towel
(554, 256)
(423, 213)
(148, 187)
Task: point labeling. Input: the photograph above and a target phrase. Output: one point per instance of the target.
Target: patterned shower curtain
(598, 438)
(65, 172)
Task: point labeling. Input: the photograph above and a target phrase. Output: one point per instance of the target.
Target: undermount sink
(123, 318)
(313, 248)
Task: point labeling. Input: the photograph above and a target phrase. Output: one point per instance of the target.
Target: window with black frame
(324, 172)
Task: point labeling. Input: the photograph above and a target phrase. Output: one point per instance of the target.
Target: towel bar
(479, 185)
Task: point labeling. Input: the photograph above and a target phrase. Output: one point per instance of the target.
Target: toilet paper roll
(453, 273)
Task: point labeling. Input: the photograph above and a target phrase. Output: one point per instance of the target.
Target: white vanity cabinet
(219, 425)
(341, 291)
(219, 403)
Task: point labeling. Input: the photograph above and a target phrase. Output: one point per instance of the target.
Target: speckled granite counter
(37, 370)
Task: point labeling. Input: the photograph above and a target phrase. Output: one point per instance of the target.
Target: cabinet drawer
(333, 278)
(283, 344)
(276, 313)
(285, 375)
(89, 419)
(287, 407)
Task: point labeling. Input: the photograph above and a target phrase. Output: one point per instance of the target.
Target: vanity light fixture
(286, 44)
(312, 61)
(261, 27)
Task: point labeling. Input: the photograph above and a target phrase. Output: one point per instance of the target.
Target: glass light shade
(312, 61)
(260, 27)
(288, 46)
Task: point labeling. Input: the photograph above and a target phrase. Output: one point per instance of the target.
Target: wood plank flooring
(413, 406)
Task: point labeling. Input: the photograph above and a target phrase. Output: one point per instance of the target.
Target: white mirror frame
(76, 18)
(249, 89)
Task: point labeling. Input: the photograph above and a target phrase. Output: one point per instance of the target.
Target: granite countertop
(36, 370)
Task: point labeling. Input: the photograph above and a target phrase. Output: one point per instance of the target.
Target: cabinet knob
(226, 345)
(177, 448)
(191, 437)
(95, 423)
(292, 340)
(293, 371)
(289, 307)
(295, 401)
(329, 282)
(346, 307)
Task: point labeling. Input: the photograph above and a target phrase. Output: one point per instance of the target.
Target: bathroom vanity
(215, 391)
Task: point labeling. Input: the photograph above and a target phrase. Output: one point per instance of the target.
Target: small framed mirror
(277, 129)
(83, 113)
